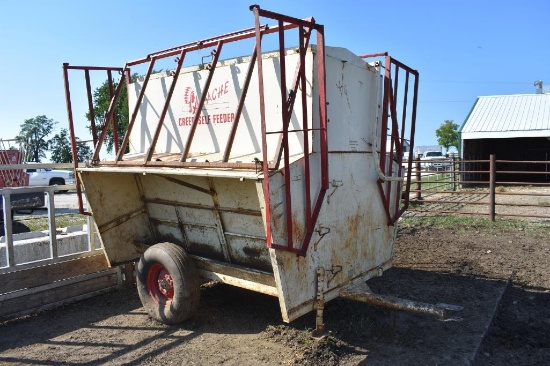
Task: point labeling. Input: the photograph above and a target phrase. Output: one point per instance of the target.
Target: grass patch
(455, 221)
(40, 223)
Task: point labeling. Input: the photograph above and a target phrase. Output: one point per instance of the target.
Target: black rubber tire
(58, 182)
(184, 283)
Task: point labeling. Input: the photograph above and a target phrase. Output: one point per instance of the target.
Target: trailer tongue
(269, 172)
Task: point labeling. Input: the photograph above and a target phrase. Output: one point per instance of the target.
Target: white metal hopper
(206, 146)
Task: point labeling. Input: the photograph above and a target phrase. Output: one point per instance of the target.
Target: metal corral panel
(508, 116)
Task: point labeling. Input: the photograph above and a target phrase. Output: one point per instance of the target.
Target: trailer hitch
(362, 292)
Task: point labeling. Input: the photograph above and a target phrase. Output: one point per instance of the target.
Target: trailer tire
(168, 283)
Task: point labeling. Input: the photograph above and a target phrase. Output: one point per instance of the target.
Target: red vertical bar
(136, 109)
(292, 95)
(385, 102)
(321, 77)
(285, 113)
(115, 131)
(265, 170)
(240, 106)
(384, 129)
(393, 106)
(73, 136)
(108, 116)
(91, 106)
(404, 116)
(305, 127)
(323, 142)
(201, 102)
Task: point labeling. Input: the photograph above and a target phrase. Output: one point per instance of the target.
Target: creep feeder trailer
(279, 172)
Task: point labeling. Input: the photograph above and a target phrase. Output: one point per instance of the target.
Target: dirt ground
(500, 275)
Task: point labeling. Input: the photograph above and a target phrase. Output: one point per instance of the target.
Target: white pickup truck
(434, 160)
(50, 177)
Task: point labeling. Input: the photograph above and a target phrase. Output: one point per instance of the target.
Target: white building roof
(508, 116)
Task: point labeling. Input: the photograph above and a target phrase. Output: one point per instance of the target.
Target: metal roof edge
(505, 134)
(468, 116)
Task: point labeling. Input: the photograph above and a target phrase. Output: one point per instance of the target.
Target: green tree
(32, 137)
(101, 101)
(60, 148)
(447, 134)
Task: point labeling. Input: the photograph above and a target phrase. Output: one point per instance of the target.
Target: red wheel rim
(160, 284)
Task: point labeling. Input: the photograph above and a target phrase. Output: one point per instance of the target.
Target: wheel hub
(166, 284)
(160, 283)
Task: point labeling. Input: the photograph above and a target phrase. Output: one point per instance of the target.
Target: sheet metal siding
(355, 237)
(218, 113)
(509, 116)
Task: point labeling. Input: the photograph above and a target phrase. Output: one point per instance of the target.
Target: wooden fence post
(418, 181)
(492, 187)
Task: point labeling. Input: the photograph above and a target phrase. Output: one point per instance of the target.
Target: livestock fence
(491, 188)
(43, 270)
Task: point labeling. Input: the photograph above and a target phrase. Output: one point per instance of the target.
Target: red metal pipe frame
(90, 106)
(321, 77)
(398, 144)
(300, 69)
(73, 137)
(285, 114)
(198, 45)
(240, 106)
(115, 132)
(135, 111)
(110, 111)
(210, 42)
(265, 171)
(151, 149)
(399, 211)
(305, 126)
(204, 94)
(390, 96)
(257, 31)
(383, 133)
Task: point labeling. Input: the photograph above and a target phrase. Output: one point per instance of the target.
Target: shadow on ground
(113, 328)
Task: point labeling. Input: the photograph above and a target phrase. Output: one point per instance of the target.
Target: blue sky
(462, 49)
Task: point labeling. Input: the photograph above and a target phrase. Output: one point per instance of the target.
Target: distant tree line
(34, 142)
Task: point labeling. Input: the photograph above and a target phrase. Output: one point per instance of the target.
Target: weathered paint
(219, 214)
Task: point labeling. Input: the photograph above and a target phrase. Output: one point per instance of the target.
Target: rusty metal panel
(351, 237)
(218, 114)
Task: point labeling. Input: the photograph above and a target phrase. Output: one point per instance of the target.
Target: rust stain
(297, 230)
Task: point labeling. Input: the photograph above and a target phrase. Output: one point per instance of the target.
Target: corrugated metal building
(513, 127)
